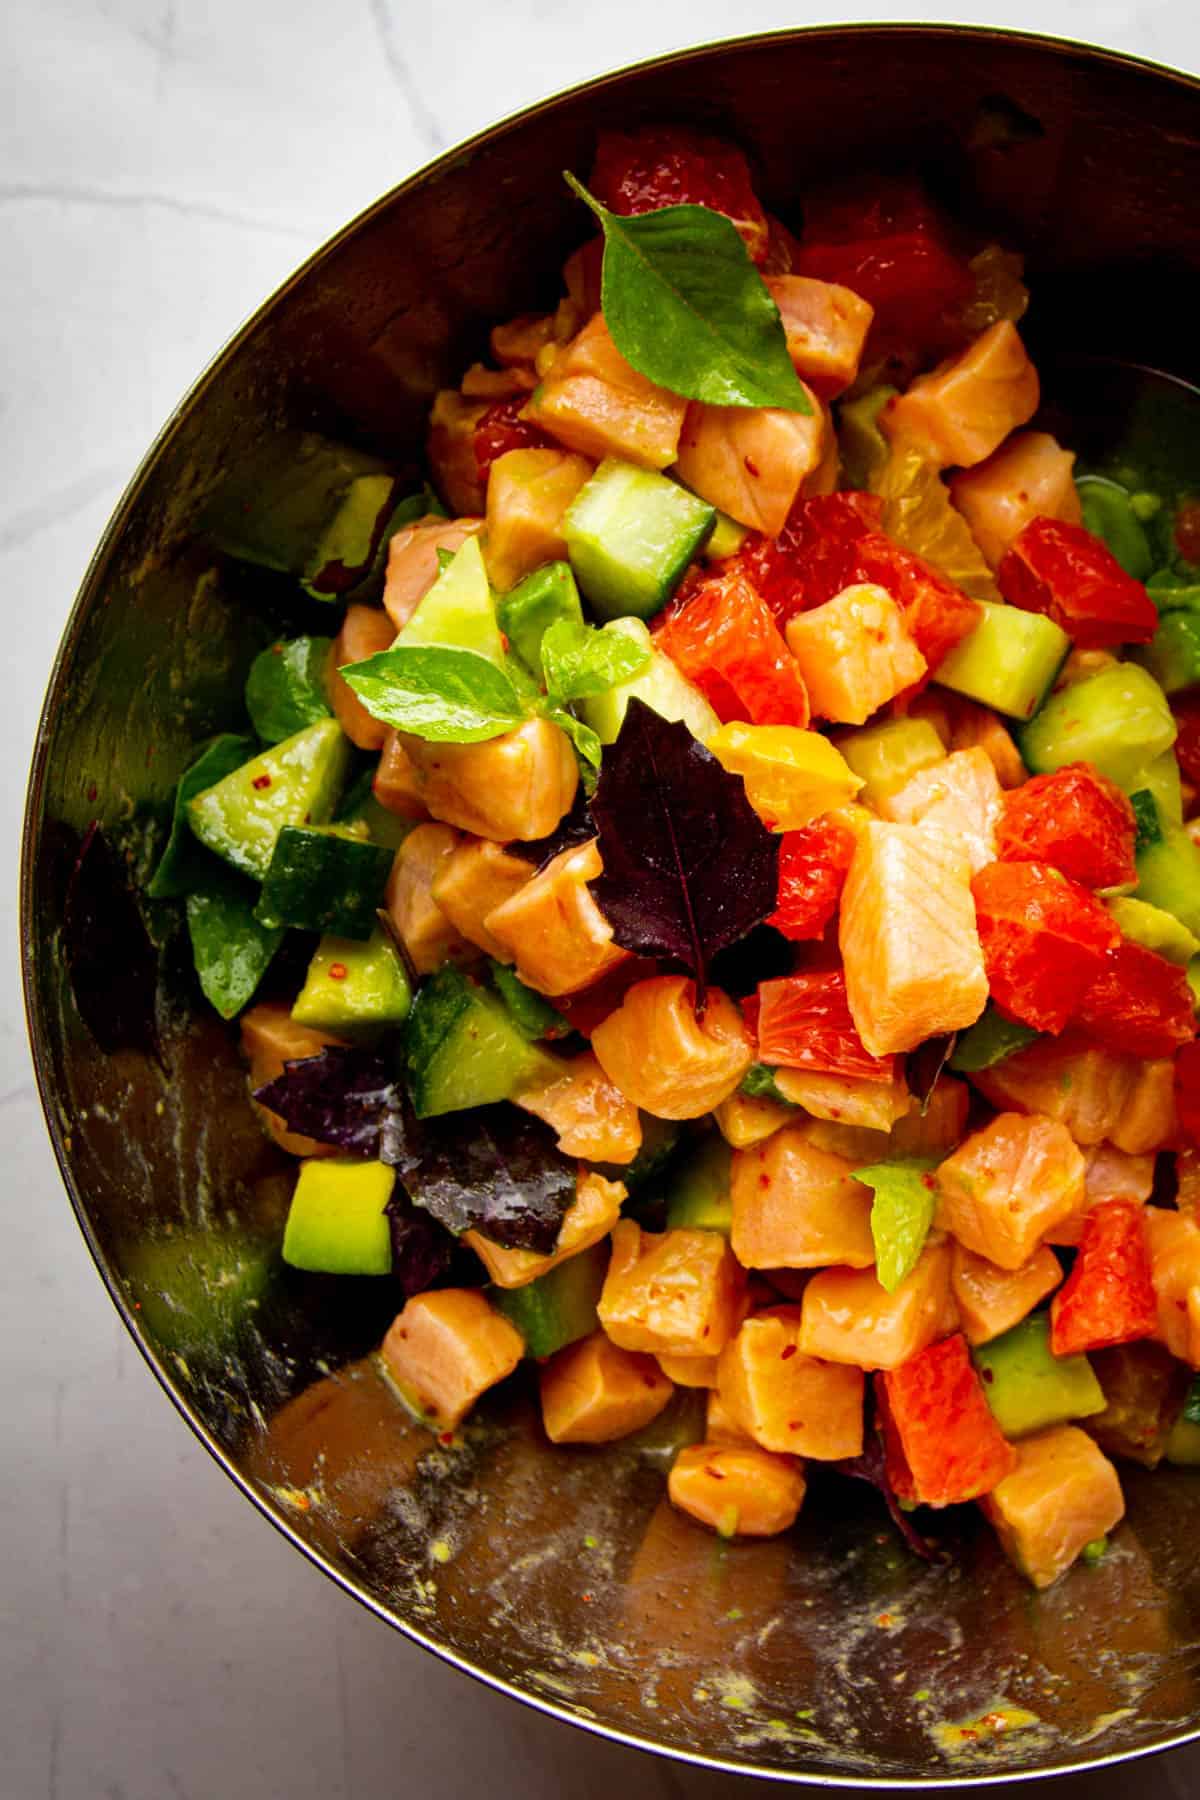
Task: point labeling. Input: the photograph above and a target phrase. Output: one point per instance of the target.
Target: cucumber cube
(1008, 661)
(1119, 720)
(322, 881)
(699, 1190)
(529, 610)
(296, 782)
(337, 1224)
(1160, 779)
(464, 1049)
(559, 1307)
(887, 756)
(659, 684)
(458, 612)
(1169, 876)
(1173, 654)
(1154, 929)
(630, 535)
(354, 989)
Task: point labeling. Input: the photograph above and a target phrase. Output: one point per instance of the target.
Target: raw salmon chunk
(961, 796)
(672, 1293)
(855, 653)
(423, 928)
(589, 1218)
(907, 933)
(528, 493)
(848, 1316)
(365, 631)
(270, 1037)
(1063, 1494)
(478, 876)
(396, 785)
(593, 1392)
(412, 564)
(1174, 1243)
(517, 785)
(787, 1401)
(1029, 477)
(991, 1300)
(667, 1060)
(964, 409)
(797, 1207)
(592, 401)
(1007, 1186)
(446, 1348)
(593, 1118)
(826, 327)
(751, 461)
(738, 1492)
(1084, 1087)
(553, 928)
(1109, 1174)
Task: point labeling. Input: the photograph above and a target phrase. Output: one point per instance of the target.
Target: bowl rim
(36, 1027)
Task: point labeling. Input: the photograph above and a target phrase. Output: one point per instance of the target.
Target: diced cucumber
(183, 863)
(989, 1041)
(458, 612)
(1108, 513)
(698, 1192)
(1118, 719)
(1008, 662)
(322, 881)
(296, 782)
(531, 1012)
(359, 807)
(1169, 876)
(726, 540)
(541, 600)
(463, 1048)
(659, 684)
(1154, 929)
(1027, 1387)
(630, 535)
(864, 449)
(285, 689)
(231, 949)
(337, 1223)
(1161, 780)
(1173, 654)
(889, 755)
(354, 989)
(559, 1307)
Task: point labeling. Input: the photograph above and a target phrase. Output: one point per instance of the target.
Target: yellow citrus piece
(791, 776)
(917, 513)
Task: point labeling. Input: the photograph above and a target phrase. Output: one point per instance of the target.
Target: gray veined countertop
(162, 167)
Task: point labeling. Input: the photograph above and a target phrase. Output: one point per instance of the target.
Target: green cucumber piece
(354, 989)
(231, 949)
(527, 611)
(989, 1041)
(1161, 780)
(337, 1223)
(863, 447)
(463, 1049)
(659, 684)
(183, 863)
(296, 782)
(323, 881)
(1118, 719)
(559, 1307)
(1008, 662)
(630, 535)
(726, 539)
(698, 1192)
(889, 755)
(531, 1012)
(1173, 654)
(1153, 928)
(1169, 876)
(359, 807)
(458, 612)
(285, 689)
(1027, 1387)
(1107, 512)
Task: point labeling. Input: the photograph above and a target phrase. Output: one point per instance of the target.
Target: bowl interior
(827, 1654)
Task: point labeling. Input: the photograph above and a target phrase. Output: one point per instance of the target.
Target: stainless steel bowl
(562, 1577)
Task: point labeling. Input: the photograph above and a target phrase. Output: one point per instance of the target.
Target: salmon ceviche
(710, 886)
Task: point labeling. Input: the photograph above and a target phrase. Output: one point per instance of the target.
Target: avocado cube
(337, 1223)
(458, 612)
(1027, 1387)
(660, 685)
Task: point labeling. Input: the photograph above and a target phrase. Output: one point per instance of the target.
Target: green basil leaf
(448, 696)
(578, 659)
(184, 861)
(902, 1213)
(231, 949)
(587, 745)
(689, 310)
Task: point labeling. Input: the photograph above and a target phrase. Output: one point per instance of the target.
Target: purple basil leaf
(110, 958)
(346, 1097)
(925, 1067)
(421, 1248)
(493, 1169)
(575, 827)
(689, 867)
(871, 1467)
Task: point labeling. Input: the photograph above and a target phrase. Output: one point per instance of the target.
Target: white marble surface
(162, 166)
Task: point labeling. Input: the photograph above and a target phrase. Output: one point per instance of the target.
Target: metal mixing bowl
(562, 1576)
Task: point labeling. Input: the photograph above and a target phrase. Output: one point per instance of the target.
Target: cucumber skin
(1008, 662)
(660, 526)
(559, 1307)
(448, 1006)
(319, 882)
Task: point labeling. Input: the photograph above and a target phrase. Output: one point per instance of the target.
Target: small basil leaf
(578, 660)
(184, 862)
(587, 744)
(448, 696)
(901, 1215)
(231, 949)
(688, 309)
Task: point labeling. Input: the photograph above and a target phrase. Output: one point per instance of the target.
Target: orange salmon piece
(412, 564)
(751, 461)
(784, 1400)
(1007, 1186)
(961, 796)
(589, 1218)
(365, 631)
(592, 1392)
(554, 930)
(417, 919)
(593, 402)
(446, 1349)
(848, 1316)
(517, 785)
(478, 876)
(1148, 1119)
(991, 1300)
(671, 1293)
(270, 1037)
(1173, 1239)
(798, 1207)
(855, 653)
(527, 494)
(665, 1059)
(1027, 478)
(395, 785)
(826, 326)
(1109, 1174)
(737, 1492)
(593, 1118)
(1083, 1086)
(1063, 1494)
(964, 409)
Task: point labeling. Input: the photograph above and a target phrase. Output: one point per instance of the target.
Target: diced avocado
(1008, 661)
(887, 756)
(337, 1224)
(1173, 654)
(531, 1012)
(296, 782)
(354, 989)
(630, 535)
(359, 807)
(285, 689)
(698, 1192)
(323, 881)
(1027, 1387)
(458, 612)
(1169, 876)
(1118, 719)
(759, 1082)
(541, 600)
(1107, 512)
(463, 1049)
(1153, 929)
(1183, 1444)
(309, 507)
(659, 684)
(726, 540)
(989, 1041)
(183, 863)
(1161, 780)
(559, 1307)
(864, 449)
(231, 949)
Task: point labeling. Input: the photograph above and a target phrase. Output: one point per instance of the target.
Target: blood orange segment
(643, 171)
(1139, 1003)
(1076, 819)
(724, 638)
(804, 1023)
(1044, 941)
(500, 429)
(943, 1445)
(1108, 1298)
(812, 872)
(1064, 571)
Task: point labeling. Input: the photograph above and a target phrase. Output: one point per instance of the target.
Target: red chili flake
(262, 781)
(445, 1437)
(715, 1473)
(788, 1351)
(337, 971)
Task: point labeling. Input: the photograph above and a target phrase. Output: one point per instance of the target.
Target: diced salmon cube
(938, 1129)
(271, 1037)
(417, 919)
(961, 796)
(593, 1119)
(854, 652)
(447, 1348)
(365, 631)
(974, 726)
(746, 1119)
(478, 876)
(690, 1371)
(797, 1207)
(737, 1492)
(991, 1300)
(1174, 1243)
(667, 1060)
(482, 383)
(560, 939)
(587, 1221)
(519, 340)
(1109, 1174)
(848, 1316)
(1027, 478)
(671, 1293)
(964, 409)
(751, 461)
(593, 1392)
(1148, 1119)
(826, 327)
(1080, 1084)
(914, 966)
(720, 1426)
(847, 1099)
(1007, 1186)
(450, 448)
(528, 493)
(855, 1144)
(787, 1401)
(396, 786)
(412, 564)
(593, 401)
(518, 785)
(1063, 1494)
